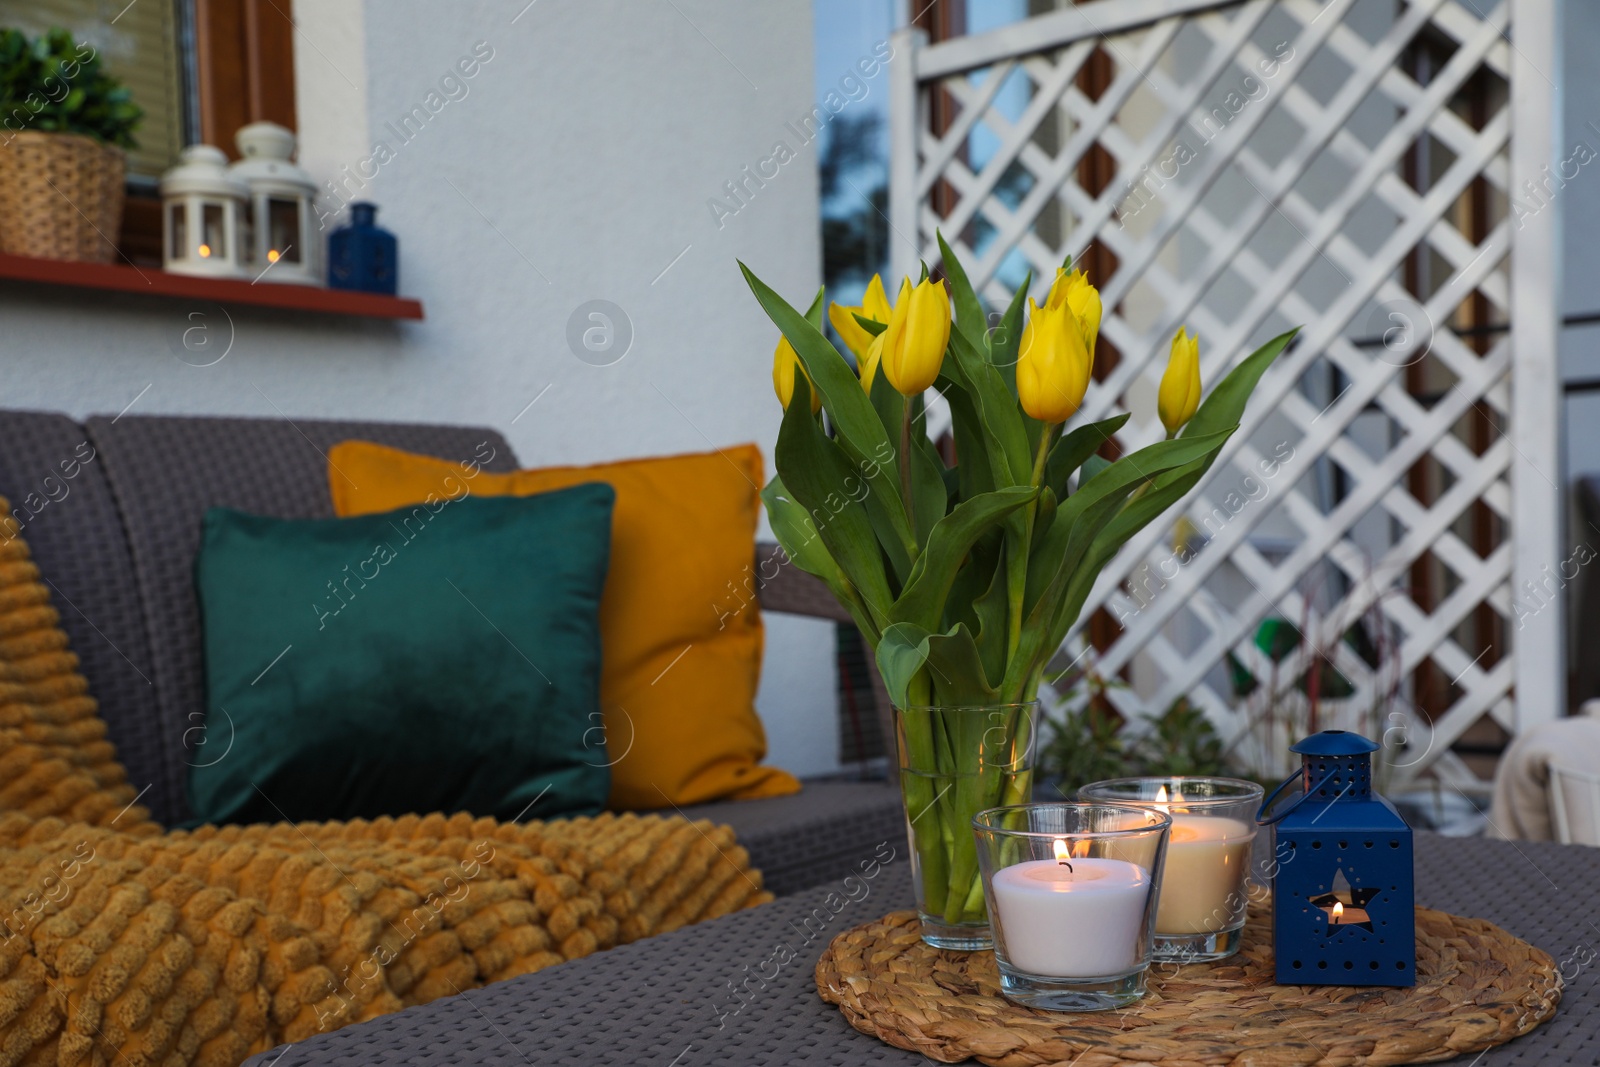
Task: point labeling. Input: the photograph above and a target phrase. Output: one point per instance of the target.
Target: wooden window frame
(239, 68)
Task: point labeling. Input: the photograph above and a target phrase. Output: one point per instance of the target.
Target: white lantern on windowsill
(284, 245)
(201, 208)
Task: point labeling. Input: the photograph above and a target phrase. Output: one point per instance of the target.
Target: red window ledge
(124, 279)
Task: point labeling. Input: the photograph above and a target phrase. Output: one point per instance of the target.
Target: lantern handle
(1262, 819)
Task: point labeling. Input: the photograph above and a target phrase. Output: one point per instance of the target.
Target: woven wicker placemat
(1477, 986)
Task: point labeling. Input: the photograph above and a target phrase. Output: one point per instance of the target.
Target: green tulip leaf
(1047, 511)
(902, 654)
(1073, 449)
(957, 673)
(971, 319)
(972, 448)
(923, 599)
(1064, 552)
(929, 497)
(990, 611)
(1134, 516)
(951, 661)
(1224, 407)
(1005, 340)
(1091, 468)
(818, 307)
(795, 530)
(797, 534)
(890, 408)
(1068, 535)
(998, 414)
(872, 326)
(819, 476)
(860, 433)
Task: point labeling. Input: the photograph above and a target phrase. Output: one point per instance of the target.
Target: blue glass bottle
(363, 256)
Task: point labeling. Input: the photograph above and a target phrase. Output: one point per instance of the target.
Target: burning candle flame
(1062, 851)
(204, 250)
(1161, 795)
(1338, 910)
(272, 255)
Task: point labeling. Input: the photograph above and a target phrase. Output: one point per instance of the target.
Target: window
(853, 146)
(200, 69)
(141, 48)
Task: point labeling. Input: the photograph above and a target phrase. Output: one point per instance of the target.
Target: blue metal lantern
(363, 255)
(1342, 887)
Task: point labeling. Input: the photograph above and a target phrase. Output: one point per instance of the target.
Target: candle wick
(1067, 865)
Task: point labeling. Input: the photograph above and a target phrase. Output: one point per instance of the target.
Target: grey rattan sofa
(111, 508)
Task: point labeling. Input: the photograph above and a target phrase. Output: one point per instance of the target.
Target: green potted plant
(64, 125)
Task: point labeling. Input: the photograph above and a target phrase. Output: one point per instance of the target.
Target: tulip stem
(905, 475)
(1046, 438)
(1017, 573)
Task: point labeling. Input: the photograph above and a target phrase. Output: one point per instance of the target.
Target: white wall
(576, 166)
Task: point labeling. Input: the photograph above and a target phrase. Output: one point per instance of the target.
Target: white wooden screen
(1301, 162)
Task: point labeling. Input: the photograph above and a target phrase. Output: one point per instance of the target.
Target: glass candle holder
(1204, 897)
(1072, 891)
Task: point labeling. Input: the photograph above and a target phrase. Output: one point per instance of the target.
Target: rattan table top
(672, 1001)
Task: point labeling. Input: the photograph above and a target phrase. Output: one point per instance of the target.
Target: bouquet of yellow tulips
(966, 579)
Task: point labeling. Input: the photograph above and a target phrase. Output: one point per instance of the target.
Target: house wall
(574, 165)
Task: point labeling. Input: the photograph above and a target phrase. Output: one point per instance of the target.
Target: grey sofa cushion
(165, 472)
(56, 482)
(820, 834)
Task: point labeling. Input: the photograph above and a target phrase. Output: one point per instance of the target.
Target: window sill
(158, 283)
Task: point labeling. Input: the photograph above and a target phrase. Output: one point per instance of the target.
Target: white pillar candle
(1203, 878)
(1072, 920)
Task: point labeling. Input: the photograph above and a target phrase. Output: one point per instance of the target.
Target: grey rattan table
(671, 1000)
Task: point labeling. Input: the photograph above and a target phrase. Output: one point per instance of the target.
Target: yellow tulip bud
(784, 365)
(1053, 363)
(919, 330)
(874, 305)
(869, 363)
(1180, 384)
(1073, 289)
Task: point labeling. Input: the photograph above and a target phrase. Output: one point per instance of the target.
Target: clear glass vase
(954, 763)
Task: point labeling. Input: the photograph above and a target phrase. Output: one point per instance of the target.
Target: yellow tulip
(1073, 289)
(784, 364)
(1180, 384)
(874, 305)
(919, 330)
(869, 363)
(1053, 362)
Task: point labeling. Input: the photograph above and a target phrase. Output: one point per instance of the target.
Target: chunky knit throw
(121, 943)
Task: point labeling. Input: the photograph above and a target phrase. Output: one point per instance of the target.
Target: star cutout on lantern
(1344, 905)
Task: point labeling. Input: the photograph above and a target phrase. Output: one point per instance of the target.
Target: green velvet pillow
(442, 657)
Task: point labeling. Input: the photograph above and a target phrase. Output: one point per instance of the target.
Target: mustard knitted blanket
(123, 943)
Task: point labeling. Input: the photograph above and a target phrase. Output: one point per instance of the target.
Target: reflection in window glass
(852, 106)
(138, 44)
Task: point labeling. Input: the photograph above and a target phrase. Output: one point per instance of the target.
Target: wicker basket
(60, 196)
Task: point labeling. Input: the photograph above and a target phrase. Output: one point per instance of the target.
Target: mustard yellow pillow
(678, 672)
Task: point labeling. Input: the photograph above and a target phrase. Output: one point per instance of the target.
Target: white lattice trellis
(1300, 162)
